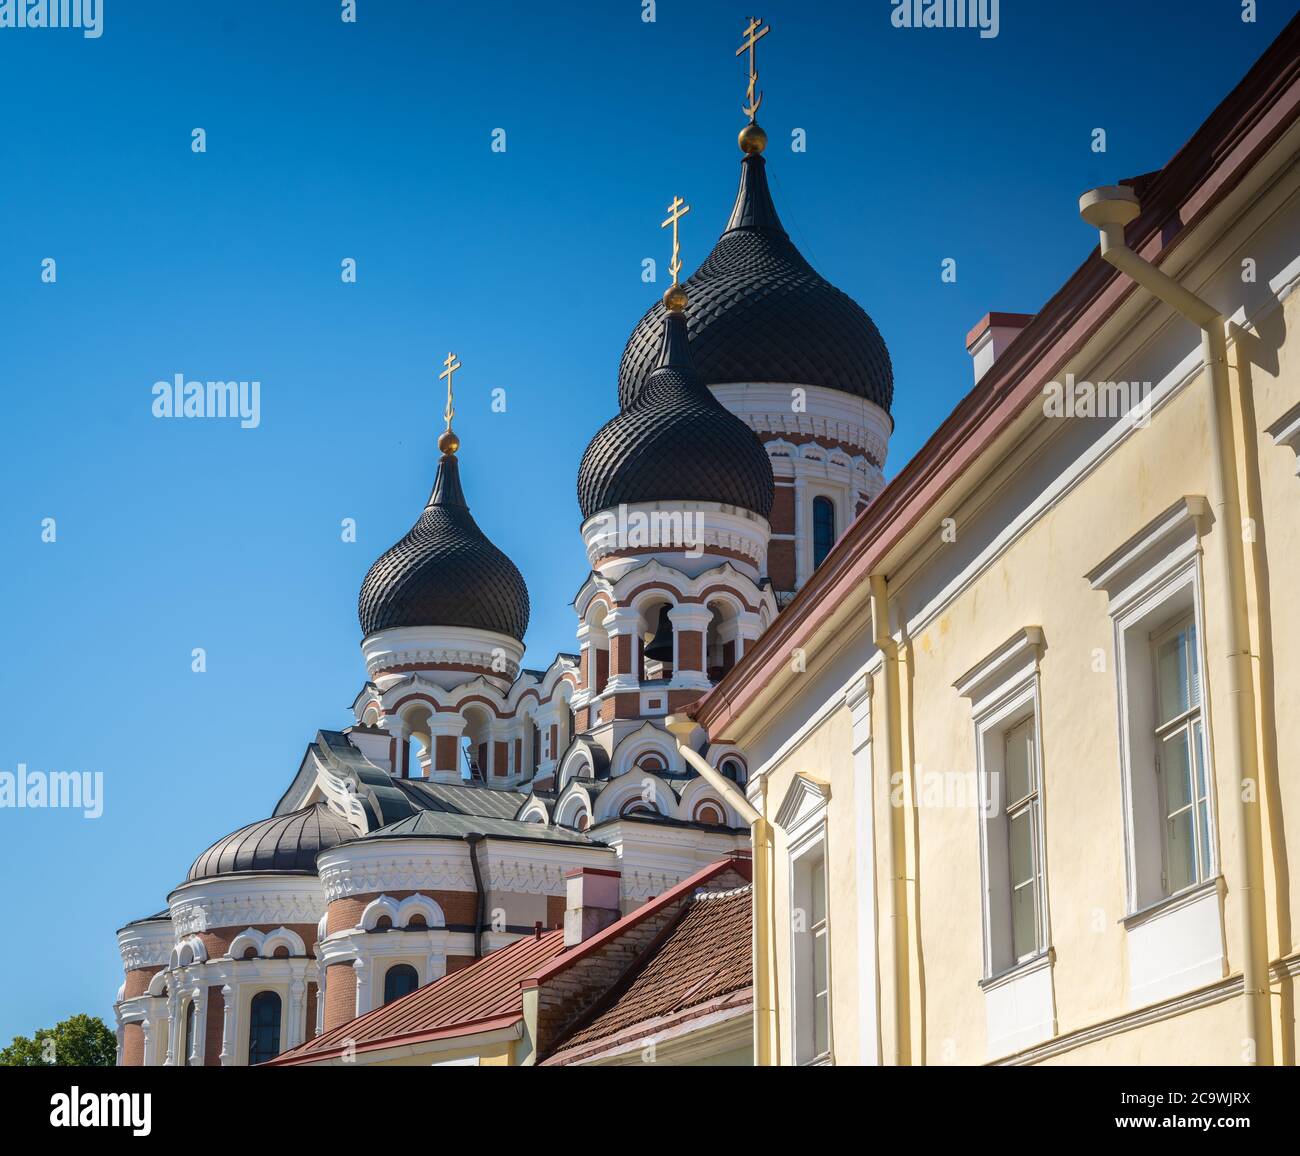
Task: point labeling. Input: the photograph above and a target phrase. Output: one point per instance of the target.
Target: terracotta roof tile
(705, 956)
(483, 995)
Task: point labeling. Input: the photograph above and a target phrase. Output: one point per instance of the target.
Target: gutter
(900, 1035)
(480, 895)
(1109, 209)
(762, 848)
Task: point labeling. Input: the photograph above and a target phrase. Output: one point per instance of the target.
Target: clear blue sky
(329, 140)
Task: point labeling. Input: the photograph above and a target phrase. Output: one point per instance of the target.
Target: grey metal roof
(443, 824)
(282, 843)
(461, 799)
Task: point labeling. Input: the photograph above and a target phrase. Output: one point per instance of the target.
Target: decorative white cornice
(243, 901)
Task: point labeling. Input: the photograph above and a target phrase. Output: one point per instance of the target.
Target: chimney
(991, 336)
(592, 903)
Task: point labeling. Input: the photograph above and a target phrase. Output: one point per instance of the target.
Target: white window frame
(1154, 581)
(1175, 942)
(1003, 691)
(803, 817)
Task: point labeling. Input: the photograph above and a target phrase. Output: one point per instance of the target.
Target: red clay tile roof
(704, 957)
(481, 997)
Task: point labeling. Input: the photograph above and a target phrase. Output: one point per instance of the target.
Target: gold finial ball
(675, 299)
(448, 443)
(752, 138)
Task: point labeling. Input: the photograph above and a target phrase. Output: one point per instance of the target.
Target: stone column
(296, 1024)
(802, 542)
(690, 635)
(197, 1046)
(175, 1028)
(402, 734)
(362, 973)
(227, 1026)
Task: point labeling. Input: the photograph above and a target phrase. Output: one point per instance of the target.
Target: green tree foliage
(81, 1041)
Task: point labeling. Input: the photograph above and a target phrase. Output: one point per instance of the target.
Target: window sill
(1179, 899)
(1017, 971)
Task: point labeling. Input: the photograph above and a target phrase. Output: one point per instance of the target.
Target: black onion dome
(288, 843)
(445, 572)
(676, 442)
(760, 312)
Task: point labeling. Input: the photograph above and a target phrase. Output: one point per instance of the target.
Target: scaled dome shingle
(760, 312)
(676, 442)
(445, 572)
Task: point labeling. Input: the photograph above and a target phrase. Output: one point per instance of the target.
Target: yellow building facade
(1029, 740)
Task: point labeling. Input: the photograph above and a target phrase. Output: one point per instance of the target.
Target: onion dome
(283, 843)
(445, 572)
(676, 441)
(760, 312)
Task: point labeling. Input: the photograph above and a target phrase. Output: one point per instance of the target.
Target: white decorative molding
(245, 900)
(1286, 432)
(803, 806)
(1020, 1007)
(458, 646)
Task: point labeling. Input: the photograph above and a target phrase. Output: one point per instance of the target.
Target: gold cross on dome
(676, 211)
(452, 365)
(753, 34)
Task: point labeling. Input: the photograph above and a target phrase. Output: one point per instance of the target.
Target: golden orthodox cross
(676, 211)
(753, 34)
(452, 365)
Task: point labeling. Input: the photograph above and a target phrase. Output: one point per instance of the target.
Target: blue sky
(371, 140)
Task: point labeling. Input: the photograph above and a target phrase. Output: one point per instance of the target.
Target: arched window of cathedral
(823, 529)
(190, 1039)
(652, 763)
(400, 980)
(417, 920)
(709, 812)
(250, 953)
(280, 952)
(732, 769)
(639, 806)
(383, 923)
(584, 821)
(264, 1027)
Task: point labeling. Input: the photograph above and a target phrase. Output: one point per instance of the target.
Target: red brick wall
(213, 1029)
(340, 994)
(218, 942)
(782, 518)
(132, 1045)
(444, 752)
(457, 907)
(500, 759)
(137, 980)
(690, 650)
(780, 564)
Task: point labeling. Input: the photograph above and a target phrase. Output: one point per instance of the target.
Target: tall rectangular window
(1023, 822)
(812, 957)
(1180, 758)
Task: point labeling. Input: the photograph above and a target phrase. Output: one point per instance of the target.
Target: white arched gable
(189, 950)
(419, 905)
(615, 797)
(376, 909)
(695, 792)
(649, 739)
(534, 812)
(569, 810)
(577, 765)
